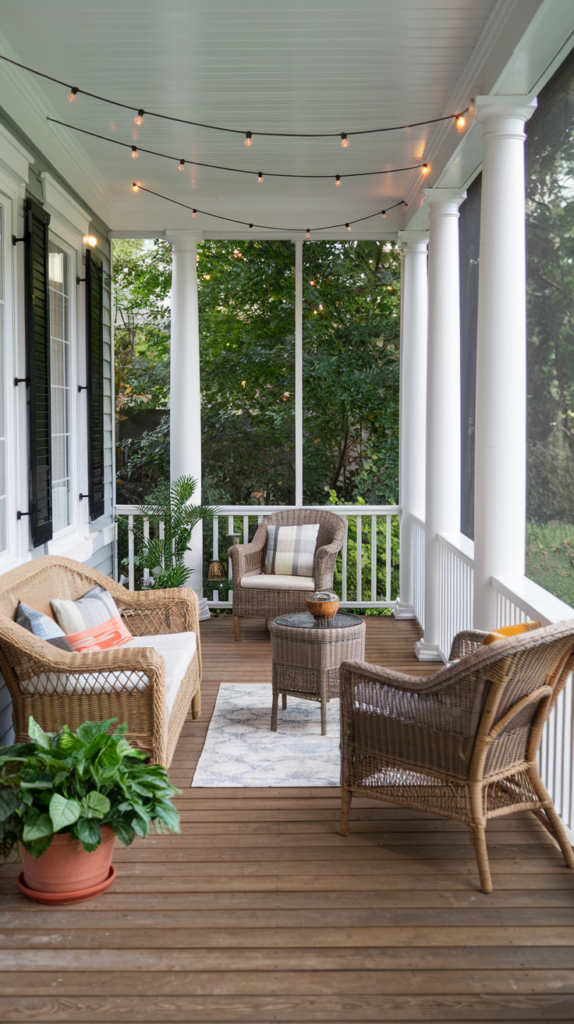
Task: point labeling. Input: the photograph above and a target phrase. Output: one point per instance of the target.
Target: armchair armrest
(352, 672)
(466, 642)
(247, 559)
(151, 612)
(324, 563)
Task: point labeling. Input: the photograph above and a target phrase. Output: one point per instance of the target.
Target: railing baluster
(359, 520)
(131, 567)
(373, 558)
(146, 538)
(388, 555)
(246, 529)
(215, 552)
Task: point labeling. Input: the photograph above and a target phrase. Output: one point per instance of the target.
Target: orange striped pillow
(505, 631)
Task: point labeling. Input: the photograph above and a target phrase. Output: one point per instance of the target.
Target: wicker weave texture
(58, 687)
(248, 560)
(463, 742)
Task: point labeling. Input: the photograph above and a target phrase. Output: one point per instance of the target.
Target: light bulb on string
(139, 117)
(181, 165)
(383, 214)
(425, 168)
(308, 233)
(344, 140)
(251, 227)
(135, 187)
(248, 139)
(337, 180)
(259, 178)
(348, 227)
(72, 94)
(135, 153)
(460, 122)
(194, 213)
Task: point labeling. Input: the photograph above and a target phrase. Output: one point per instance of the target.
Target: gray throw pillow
(42, 626)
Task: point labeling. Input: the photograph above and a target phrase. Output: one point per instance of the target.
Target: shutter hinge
(21, 380)
(80, 279)
(83, 387)
(20, 515)
(82, 496)
(16, 240)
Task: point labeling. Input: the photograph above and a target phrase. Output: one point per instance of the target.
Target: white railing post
(374, 558)
(359, 521)
(131, 568)
(146, 538)
(299, 372)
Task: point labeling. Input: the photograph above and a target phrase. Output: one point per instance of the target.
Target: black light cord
(233, 170)
(270, 227)
(235, 131)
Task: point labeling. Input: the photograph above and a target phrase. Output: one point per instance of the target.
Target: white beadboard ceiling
(295, 65)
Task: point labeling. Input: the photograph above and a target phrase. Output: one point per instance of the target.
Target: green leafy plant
(172, 518)
(77, 782)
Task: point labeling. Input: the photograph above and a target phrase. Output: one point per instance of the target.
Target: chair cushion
(176, 649)
(291, 549)
(93, 622)
(42, 626)
(275, 582)
(506, 631)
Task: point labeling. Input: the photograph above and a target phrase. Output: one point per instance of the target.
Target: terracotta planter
(66, 867)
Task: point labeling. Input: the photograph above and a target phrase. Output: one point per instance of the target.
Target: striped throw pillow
(291, 549)
(93, 622)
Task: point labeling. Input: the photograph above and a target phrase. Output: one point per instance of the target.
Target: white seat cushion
(176, 649)
(269, 582)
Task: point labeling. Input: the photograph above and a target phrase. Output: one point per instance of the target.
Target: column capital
(514, 108)
(183, 240)
(449, 196)
(414, 241)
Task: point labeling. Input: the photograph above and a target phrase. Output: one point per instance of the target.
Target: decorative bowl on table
(323, 605)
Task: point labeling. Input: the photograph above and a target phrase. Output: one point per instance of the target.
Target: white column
(412, 430)
(185, 392)
(299, 372)
(500, 438)
(442, 485)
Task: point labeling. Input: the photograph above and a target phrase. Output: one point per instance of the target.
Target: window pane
(60, 376)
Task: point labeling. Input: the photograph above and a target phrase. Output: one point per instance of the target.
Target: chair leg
(346, 797)
(236, 627)
(481, 852)
(274, 704)
(196, 704)
(284, 701)
(553, 816)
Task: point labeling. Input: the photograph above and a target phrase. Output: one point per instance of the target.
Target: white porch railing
(366, 572)
(518, 600)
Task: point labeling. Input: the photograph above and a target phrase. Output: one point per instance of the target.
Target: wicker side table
(306, 659)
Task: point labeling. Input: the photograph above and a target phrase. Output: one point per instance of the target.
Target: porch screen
(38, 370)
(95, 366)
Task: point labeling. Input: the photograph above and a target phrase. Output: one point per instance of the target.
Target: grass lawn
(550, 558)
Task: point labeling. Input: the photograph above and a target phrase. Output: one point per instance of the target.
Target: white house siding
(24, 171)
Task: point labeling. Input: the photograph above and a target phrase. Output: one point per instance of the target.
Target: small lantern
(216, 570)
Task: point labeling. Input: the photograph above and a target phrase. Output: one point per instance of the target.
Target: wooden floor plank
(260, 911)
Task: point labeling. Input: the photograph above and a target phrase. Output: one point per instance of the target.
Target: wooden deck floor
(261, 912)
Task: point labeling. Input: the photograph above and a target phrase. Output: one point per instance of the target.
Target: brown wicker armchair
(248, 559)
(463, 742)
(58, 687)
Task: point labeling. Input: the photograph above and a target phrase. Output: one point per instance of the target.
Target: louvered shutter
(38, 370)
(95, 346)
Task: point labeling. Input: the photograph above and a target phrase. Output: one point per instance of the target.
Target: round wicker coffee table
(306, 658)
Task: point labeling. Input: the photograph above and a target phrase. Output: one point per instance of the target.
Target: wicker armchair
(463, 742)
(248, 560)
(58, 687)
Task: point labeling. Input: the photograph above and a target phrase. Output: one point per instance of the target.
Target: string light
(181, 165)
(383, 214)
(425, 168)
(248, 139)
(460, 122)
(259, 178)
(235, 131)
(337, 180)
(251, 227)
(268, 227)
(134, 152)
(234, 170)
(91, 240)
(139, 117)
(135, 188)
(348, 227)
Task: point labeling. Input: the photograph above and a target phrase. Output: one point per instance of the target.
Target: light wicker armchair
(58, 687)
(248, 560)
(463, 742)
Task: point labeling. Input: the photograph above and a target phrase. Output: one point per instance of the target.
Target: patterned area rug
(240, 749)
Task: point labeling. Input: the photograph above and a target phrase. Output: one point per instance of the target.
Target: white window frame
(73, 384)
(11, 198)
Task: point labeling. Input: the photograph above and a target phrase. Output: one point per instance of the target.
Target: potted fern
(64, 799)
(172, 518)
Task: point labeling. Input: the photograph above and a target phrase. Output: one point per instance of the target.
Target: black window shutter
(95, 346)
(38, 370)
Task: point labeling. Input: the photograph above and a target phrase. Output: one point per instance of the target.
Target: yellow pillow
(504, 631)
